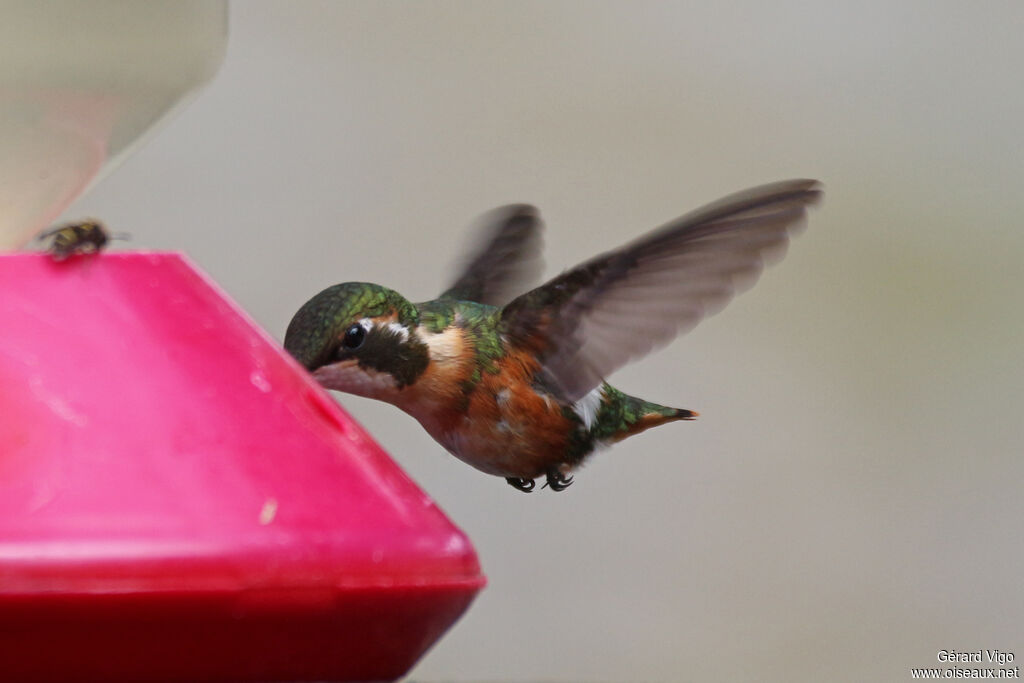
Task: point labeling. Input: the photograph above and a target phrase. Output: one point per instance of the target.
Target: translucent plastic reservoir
(81, 83)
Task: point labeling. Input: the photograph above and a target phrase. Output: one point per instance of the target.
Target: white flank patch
(588, 406)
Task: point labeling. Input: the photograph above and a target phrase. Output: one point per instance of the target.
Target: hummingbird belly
(508, 430)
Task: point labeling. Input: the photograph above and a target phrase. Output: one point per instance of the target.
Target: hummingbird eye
(354, 337)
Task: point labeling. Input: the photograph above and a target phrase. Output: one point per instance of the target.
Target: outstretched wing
(618, 306)
(506, 260)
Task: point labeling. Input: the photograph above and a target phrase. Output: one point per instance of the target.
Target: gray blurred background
(850, 501)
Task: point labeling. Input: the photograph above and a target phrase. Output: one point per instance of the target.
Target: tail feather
(622, 416)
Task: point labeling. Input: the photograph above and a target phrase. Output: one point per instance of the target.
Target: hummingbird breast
(513, 430)
(491, 416)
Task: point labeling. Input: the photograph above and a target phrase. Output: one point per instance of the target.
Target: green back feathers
(478, 322)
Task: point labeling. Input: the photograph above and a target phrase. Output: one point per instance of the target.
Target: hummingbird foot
(524, 485)
(558, 481)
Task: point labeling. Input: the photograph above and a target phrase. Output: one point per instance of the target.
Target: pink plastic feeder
(179, 500)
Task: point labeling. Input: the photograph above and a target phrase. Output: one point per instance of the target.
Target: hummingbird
(512, 382)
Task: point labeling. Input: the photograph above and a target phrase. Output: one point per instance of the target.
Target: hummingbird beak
(348, 376)
(336, 375)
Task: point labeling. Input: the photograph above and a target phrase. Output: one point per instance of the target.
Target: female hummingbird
(515, 386)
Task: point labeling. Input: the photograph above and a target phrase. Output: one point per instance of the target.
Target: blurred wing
(591, 320)
(507, 260)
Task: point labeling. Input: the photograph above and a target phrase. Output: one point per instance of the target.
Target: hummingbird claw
(558, 481)
(524, 485)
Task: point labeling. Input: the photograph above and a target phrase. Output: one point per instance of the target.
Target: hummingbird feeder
(179, 500)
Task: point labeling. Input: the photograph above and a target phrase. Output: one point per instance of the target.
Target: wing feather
(616, 307)
(507, 260)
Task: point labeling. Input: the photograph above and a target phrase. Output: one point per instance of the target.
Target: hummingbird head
(359, 338)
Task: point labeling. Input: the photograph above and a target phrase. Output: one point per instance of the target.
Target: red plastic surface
(179, 500)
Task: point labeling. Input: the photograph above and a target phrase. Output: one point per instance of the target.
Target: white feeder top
(81, 83)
